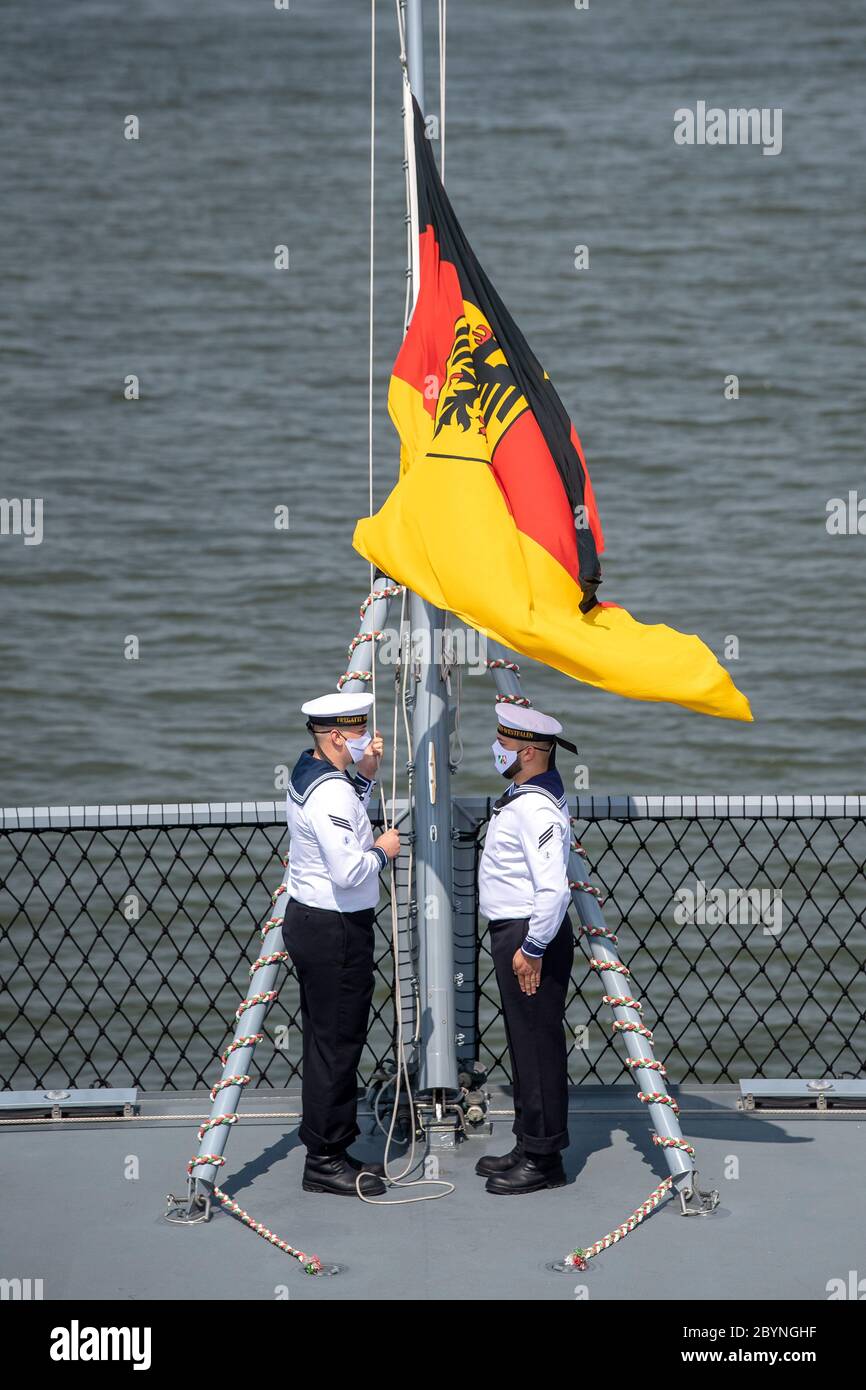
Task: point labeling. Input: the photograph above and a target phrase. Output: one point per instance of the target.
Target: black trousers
(332, 953)
(535, 1032)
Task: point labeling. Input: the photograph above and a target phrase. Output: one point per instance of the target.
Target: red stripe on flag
(533, 489)
(427, 345)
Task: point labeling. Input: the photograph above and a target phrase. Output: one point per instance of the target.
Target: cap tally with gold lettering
(530, 725)
(339, 709)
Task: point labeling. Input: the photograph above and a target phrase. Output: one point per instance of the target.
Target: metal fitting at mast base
(192, 1209)
(439, 1115)
(689, 1190)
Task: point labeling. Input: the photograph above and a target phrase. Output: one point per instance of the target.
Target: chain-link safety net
(125, 952)
(745, 940)
(125, 949)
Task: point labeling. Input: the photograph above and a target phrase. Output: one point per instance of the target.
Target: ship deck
(791, 1216)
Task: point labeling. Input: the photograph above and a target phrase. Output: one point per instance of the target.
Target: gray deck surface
(793, 1219)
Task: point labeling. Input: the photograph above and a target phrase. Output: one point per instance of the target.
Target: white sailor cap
(516, 721)
(330, 711)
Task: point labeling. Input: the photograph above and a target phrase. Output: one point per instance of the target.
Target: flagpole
(431, 760)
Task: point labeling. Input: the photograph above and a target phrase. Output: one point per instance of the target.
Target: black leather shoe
(493, 1163)
(377, 1168)
(334, 1174)
(531, 1173)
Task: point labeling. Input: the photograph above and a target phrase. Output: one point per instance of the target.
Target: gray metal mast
(432, 775)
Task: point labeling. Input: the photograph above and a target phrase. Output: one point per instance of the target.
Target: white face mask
(358, 746)
(503, 758)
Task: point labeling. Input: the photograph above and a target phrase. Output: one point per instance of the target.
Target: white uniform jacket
(332, 861)
(524, 863)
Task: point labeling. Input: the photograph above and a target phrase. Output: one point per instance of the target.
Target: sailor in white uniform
(328, 928)
(524, 894)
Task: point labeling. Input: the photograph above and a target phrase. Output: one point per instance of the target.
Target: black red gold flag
(493, 516)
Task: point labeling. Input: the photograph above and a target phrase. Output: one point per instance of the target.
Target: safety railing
(127, 933)
(741, 919)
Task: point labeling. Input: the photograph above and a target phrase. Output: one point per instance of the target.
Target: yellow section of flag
(446, 533)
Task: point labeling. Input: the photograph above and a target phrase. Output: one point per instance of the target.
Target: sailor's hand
(369, 764)
(390, 843)
(528, 972)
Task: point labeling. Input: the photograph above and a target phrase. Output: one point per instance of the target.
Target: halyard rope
(372, 637)
(371, 304)
(443, 47)
(402, 1070)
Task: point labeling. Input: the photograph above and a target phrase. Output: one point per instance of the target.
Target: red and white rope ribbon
(578, 1258)
(310, 1263)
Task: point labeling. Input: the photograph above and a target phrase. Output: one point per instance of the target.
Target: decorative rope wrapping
(578, 1258)
(500, 664)
(387, 591)
(311, 1264)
